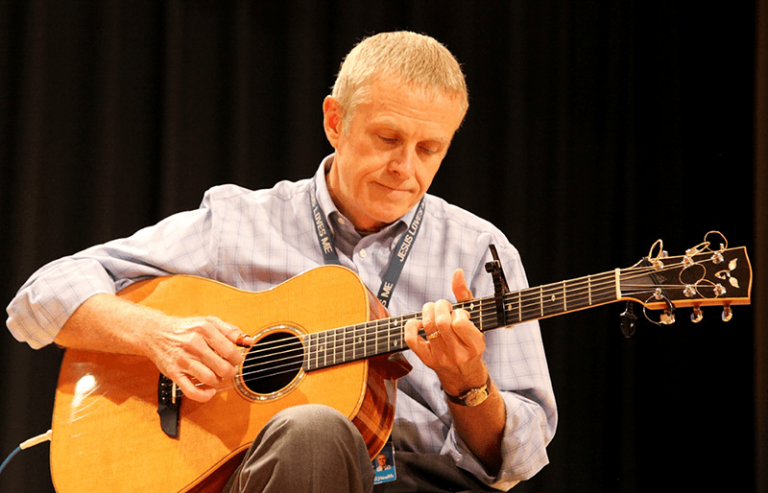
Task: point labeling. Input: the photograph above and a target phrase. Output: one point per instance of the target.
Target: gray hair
(413, 58)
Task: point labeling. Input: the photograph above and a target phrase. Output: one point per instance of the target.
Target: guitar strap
(396, 260)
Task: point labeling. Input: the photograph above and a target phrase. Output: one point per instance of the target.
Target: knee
(299, 446)
(314, 421)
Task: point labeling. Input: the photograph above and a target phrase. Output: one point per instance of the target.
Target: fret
(589, 289)
(349, 343)
(359, 343)
(512, 307)
(381, 336)
(552, 303)
(316, 351)
(399, 333)
(382, 340)
(322, 341)
(565, 298)
(476, 309)
(308, 343)
(338, 346)
(368, 340)
(479, 310)
(475, 316)
(576, 295)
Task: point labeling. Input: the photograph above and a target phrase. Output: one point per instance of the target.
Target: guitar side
(106, 430)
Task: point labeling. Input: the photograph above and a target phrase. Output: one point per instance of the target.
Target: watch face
(473, 397)
(476, 397)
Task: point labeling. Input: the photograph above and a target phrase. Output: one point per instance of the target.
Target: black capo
(500, 285)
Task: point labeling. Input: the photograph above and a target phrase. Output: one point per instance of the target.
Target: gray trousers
(313, 448)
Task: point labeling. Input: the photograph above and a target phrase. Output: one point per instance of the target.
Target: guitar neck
(699, 278)
(384, 336)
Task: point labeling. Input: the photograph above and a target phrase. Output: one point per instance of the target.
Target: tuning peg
(727, 313)
(628, 319)
(697, 315)
(667, 318)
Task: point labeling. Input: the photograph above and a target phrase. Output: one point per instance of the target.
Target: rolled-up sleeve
(179, 244)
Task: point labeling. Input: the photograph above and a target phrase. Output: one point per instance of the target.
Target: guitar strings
(529, 303)
(537, 305)
(533, 301)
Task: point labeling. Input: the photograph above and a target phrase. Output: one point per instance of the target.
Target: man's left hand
(453, 346)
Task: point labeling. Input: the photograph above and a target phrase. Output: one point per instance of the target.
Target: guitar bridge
(168, 406)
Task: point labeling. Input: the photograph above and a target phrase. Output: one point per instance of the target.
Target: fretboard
(383, 336)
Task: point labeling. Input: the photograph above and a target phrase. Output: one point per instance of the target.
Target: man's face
(387, 158)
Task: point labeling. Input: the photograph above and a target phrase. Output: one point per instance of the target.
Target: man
(382, 461)
(397, 103)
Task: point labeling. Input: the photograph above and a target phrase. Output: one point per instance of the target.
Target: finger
(230, 346)
(467, 332)
(209, 346)
(189, 388)
(443, 317)
(459, 286)
(224, 345)
(418, 345)
(203, 374)
(234, 334)
(428, 317)
(244, 340)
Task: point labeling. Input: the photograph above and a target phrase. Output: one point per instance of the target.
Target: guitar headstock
(704, 276)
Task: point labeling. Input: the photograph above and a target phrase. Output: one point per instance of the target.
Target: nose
(402, 161)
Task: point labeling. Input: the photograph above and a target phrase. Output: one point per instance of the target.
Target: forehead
(398, 104)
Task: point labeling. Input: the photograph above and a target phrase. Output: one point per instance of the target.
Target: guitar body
(106, 428)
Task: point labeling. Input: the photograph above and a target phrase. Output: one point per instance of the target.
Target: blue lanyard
(396, 261)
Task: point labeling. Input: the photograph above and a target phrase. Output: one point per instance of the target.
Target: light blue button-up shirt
(255, 240)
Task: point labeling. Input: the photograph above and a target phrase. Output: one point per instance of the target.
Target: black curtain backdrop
(595, 128)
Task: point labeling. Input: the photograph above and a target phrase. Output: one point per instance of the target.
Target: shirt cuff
(43, 306)
(523, 447)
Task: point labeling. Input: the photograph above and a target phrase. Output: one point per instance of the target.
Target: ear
(332, 118)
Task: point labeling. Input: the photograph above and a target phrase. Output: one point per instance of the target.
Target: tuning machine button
(727, 313)
(667, 318)
(697, 316)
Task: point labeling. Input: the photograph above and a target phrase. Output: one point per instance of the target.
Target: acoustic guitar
(322, 337)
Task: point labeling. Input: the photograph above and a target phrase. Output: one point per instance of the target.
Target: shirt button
(363, 254)
(342, 221)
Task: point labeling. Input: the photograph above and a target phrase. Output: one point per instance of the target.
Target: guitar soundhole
(272, 363)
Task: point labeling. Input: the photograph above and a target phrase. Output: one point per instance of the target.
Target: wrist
(457, 383)
(472, 397)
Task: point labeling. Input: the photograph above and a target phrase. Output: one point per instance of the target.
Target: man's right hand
(199, 354)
